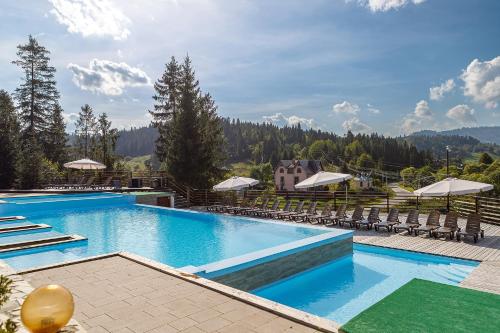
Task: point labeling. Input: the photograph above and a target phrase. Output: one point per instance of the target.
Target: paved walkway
(116, 294)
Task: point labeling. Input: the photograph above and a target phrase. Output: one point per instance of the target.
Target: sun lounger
(250, 204)
(302, 217)
(357, 215)
(242, 204)
(370, 220)
(325, 212)
(257, 207)
(472, 228)
(276, 213)
(335, 219)
(227, 203)
(450, 226)
(75, 183)
(410, 223)
(298, 209)
(266, 208)
(391, 220)
(253, 205)
(431, 224)
(105, 184)
(88, 184)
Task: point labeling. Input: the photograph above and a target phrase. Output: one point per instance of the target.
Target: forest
(264, 142)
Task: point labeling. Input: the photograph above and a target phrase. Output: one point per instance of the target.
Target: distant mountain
(488, 134)
(461, 147)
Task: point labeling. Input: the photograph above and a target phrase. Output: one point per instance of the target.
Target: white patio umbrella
(324, 178)
(235, 183)
(452, 186)
(84, 164)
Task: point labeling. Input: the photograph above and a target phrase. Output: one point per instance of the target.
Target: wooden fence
(488, 207)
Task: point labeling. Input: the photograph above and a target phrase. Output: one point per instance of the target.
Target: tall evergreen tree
(30, 163)
(107, 137)
(85, 131)
(56, 137)
(191, 137)
(37, 95)
(9, 140)
(167, 98)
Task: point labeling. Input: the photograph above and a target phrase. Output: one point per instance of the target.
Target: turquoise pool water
(173, 237)
(338, 290)
(343, 288)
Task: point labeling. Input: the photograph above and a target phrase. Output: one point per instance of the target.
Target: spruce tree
(85, 130)
(56, 137)
(166, 99)
(107, 137)
(191, 137)
(37, 95)
(30, 163)
(9, 140)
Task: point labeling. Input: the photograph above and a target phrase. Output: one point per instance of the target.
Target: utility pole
(448, 175)
(447, 161)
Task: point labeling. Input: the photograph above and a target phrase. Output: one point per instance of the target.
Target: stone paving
(20, 288)
(115, 294)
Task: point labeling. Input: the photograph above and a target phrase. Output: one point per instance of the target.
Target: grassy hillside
(137, 163)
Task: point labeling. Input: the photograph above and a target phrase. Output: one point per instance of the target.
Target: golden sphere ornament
(47, 309)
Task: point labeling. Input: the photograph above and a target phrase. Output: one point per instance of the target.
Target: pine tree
(166, 102)
(191, 136)
(9, 140)
(86, 126)
(107, 137)
(30, 165)
(56, 137)
(37, 96)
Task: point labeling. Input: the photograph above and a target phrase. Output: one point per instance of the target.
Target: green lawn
(474, 157)
(137, 163)
(424, 306)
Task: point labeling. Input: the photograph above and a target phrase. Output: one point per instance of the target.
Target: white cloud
(437, 93)
(482, 82)
(373, 110)
(411, 125)
(108, 77)
(420, 118)
(355, 125)
(91, 18)
(462, 113)
(281, 120)
(346, 107)
(70, 118)
(385, 5)
(422, 110)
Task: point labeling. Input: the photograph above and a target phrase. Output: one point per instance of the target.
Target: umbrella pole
(345, 185)
(448, 202)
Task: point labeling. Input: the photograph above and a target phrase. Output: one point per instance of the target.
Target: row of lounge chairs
(328, 217)
(83, 183)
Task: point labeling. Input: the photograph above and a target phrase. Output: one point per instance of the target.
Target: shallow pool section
(174, 237)
(343, 288)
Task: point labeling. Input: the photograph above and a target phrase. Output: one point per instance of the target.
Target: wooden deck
(487, 249)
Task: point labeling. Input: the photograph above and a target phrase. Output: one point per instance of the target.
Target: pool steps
(24, 228)
(40, 242)
(11, 218)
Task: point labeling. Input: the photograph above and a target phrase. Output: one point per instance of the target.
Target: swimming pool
(343, 288)
(213, 244)
(174, 237)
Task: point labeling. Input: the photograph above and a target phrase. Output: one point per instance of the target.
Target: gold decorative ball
(47, 309)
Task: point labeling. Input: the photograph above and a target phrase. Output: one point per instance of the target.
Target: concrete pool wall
(260, 268)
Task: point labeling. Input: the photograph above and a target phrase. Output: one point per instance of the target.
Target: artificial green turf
(425, 306)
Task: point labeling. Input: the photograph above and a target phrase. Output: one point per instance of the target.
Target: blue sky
(390, 66)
